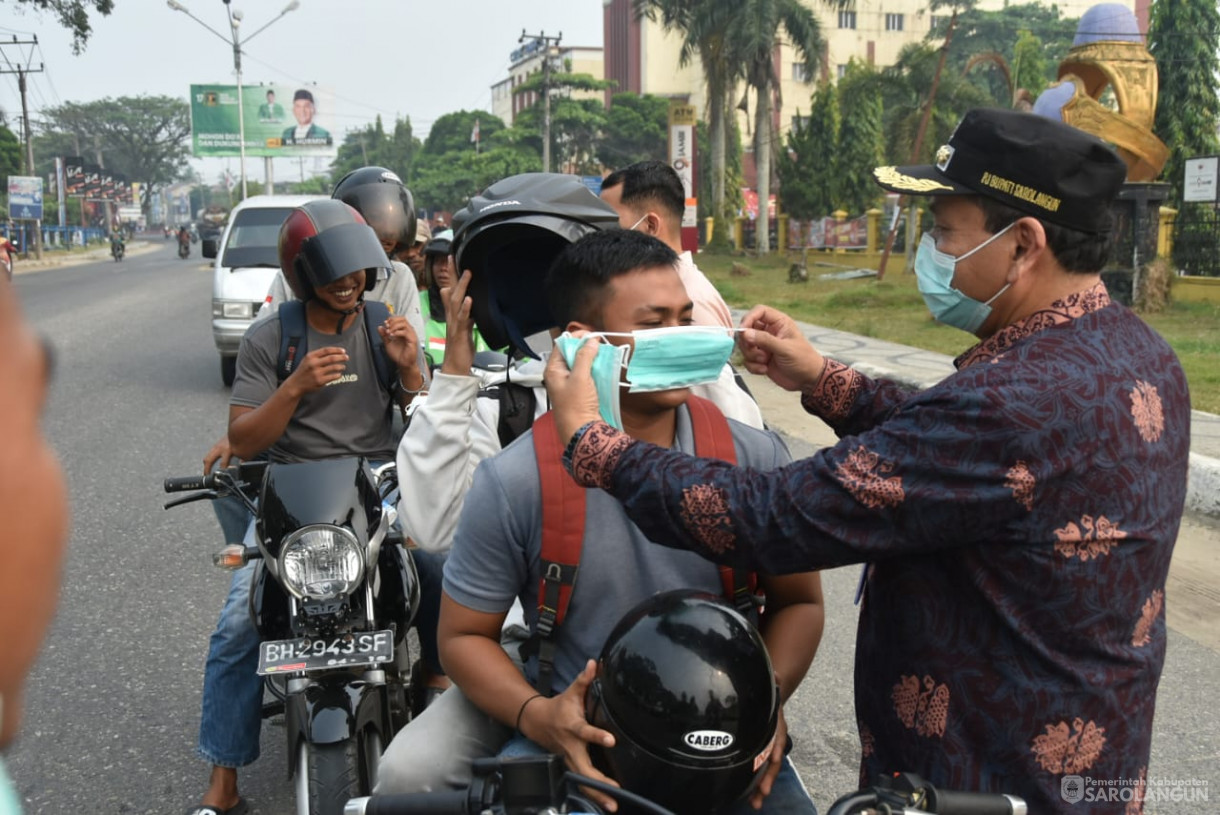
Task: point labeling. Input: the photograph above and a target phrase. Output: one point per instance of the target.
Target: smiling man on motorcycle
(333, 403)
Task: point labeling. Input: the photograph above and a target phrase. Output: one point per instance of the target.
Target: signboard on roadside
(1199, 178)
(25, 197)
(279, 120)
(682, 158)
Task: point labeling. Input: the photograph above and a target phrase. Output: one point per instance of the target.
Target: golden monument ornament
(1108, 53)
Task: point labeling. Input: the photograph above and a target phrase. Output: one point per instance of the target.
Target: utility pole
(919, 136)
(21, 72)
(546, 89)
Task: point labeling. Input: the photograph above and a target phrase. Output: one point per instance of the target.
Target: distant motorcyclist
(118, 244)
(184, 241)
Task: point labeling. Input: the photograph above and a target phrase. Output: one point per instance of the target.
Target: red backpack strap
(563, 534)
(714, 439)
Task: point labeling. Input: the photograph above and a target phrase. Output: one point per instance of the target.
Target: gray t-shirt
(350, 417)
(497, 549)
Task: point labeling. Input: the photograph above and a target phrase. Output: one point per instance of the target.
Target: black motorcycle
(117, 249)
(539, 784)
(184, 249)
(332, 596)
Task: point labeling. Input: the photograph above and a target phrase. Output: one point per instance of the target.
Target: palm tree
(753, 37)
(705, 26)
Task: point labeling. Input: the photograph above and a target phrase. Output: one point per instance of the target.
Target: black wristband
(521, 711)
(570, 450)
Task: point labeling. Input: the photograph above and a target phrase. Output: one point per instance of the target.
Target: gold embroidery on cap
(890, 177)
(1038, 199)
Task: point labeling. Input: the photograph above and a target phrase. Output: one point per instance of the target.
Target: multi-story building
(642, 57)
(528, 60)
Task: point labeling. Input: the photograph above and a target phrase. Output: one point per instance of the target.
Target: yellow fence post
(873, 230)
(781, 234)
(739, 233)
(711, 228)
(840, 215)
(1164, 232)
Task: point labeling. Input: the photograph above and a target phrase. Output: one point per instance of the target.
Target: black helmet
(685, 685)
(440, 243)
(386, 204)
(322, 241)
(507, 237)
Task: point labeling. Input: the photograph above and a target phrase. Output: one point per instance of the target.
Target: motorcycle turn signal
(235, 556)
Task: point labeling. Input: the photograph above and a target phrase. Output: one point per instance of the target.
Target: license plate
(292, 656)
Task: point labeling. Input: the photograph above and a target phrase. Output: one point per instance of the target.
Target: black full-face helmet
(685, 685)
(325, 240)
(386, 204)
(508, 236)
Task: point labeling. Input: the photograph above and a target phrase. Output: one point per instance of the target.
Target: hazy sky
(393, 57)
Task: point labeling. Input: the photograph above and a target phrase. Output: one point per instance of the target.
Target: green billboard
(280, 120)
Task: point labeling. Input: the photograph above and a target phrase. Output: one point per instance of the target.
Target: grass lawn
(893, 310)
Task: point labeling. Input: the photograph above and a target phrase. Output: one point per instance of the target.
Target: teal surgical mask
(676, 357)
(934, 277)
(607, 373)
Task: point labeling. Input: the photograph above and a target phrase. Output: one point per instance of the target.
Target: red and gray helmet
(323, 241)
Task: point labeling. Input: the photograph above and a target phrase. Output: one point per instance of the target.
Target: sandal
(240, 808)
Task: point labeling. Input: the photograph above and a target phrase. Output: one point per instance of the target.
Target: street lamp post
(235, 18)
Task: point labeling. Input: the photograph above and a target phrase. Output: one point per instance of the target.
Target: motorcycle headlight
(321, 563)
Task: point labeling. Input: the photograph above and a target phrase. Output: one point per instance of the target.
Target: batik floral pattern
(596, 454)
(1021, 481)
(925, 711)
(1069, 749)
(1148, 618)
(705, 513)
(1147, 412)
(835, 391)
(1093, 538)
(863, 474)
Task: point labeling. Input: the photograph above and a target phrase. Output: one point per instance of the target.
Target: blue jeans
(232, 689)
(788, 793)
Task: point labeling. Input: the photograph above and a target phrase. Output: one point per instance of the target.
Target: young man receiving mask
(624, 286)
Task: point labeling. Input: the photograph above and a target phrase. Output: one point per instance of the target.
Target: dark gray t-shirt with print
(349, 417)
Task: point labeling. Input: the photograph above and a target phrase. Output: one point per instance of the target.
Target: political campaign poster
(278, 120)
(74, 175)
(25, 197)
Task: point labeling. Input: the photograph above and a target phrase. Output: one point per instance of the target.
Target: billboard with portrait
(280, 120)
(25, 197)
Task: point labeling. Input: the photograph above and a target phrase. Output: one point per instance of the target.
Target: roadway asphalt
(113, 703)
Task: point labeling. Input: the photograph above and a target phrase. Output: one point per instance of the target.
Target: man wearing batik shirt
(1018, 517)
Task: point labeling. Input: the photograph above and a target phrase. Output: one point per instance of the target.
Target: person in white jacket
(457, 424)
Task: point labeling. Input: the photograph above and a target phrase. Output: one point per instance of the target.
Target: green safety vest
(434, 339)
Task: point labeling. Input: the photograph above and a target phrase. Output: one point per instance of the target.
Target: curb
(928, 368)
(1203, 485)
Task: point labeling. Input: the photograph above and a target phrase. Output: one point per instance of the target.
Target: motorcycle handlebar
(189, 483)
(239, 474)
(448, 802)
(950, 802)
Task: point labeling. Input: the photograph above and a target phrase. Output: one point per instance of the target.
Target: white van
(246, 262)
